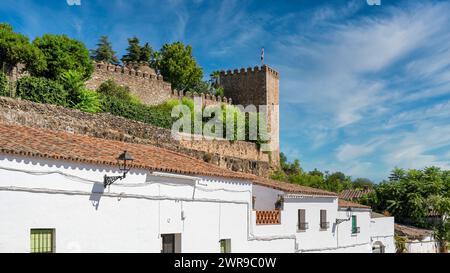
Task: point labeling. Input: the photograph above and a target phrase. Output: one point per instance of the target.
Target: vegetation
(400, 243)
(62, 54)
(293, 173)
(136, 53)
(104, 52)
(178, 66)
(15, 48)
(41, 90)
(118, 101)
(3, 85)
(411, 196)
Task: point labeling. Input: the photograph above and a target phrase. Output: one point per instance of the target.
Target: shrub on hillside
(88, 101)
(73, 83)
(155, 115)
(111, 89)
(41, 90)
(3, 85)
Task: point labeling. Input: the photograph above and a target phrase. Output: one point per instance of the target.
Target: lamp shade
(125, 156)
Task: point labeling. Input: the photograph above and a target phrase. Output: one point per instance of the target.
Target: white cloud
(348, 152)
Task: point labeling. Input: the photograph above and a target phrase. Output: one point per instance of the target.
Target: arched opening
(378, 247)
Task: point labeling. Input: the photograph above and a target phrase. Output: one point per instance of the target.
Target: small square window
(42, 240)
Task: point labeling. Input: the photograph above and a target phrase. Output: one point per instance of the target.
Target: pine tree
(104, 51)
(146, 53)
(133, 51)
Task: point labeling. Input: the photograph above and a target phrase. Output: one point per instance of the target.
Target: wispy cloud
(363, 89)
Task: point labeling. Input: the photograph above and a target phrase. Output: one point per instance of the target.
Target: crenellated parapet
(143, 83)
(249, 70)
(207, 99)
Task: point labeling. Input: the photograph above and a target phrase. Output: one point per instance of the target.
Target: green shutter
(354, 226)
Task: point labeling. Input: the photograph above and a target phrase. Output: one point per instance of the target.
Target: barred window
(42, 240)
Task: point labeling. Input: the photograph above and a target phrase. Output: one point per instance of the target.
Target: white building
(52, 198)
(417, 240)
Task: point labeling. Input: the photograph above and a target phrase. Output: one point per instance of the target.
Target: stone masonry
(237, 156)
(257, 86)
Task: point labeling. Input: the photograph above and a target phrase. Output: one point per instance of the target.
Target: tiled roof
(292, 188)
(377, 215)
(354, 193)
(412, 232)
(348, 204)
(26, 141)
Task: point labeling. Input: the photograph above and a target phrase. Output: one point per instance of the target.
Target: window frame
(37, 236)
(225, 245)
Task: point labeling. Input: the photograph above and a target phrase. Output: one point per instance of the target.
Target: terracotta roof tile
(33, 142)
(347, 204)
(354, 193)
(412, 232)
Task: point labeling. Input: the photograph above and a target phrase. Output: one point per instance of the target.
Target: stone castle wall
(149, 87)
(237, 156)
(258, 86)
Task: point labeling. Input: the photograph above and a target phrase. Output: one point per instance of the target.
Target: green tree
(178, 66)
(362, 183)
(146, 54)
(133, 51)
(411, 195)
(15, 48)
(63, 54)
(104, 52)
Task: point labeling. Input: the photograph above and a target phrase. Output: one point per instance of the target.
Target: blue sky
(363, 88)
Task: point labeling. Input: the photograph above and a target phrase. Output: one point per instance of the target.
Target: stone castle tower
(257, 86)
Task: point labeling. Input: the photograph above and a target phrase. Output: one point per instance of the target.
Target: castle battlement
(99, 66)
(147, 85)
(207, 99)
(249, 70)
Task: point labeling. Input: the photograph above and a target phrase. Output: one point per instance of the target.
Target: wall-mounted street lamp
(349, 214)
(124, 161)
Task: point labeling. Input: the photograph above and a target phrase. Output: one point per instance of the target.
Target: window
(302, 225)
(253, 202)
(323, 219)
(171, 243)
(168, 243)
(279, 204)
(42, 240)
(225, 246)
(355, 228)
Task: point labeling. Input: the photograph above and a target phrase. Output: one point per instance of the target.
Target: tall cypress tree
(104, 51)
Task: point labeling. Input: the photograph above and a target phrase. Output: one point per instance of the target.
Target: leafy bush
(89, 101)
(73, 83)
(3, 85)
(63, 54)
(156, 115)
(111, 89)
(41, 90)
(16, 48)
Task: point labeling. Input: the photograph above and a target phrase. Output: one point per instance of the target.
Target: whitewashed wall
(426, 245)
(89, 222)
(131, 215)
(382, 231)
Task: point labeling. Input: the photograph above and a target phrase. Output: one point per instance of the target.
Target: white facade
(132, 214)
(425, 245)
(382, 234)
